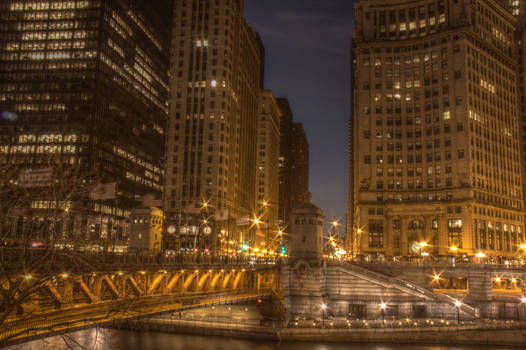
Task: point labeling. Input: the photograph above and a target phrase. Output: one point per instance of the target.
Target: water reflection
(109, 339)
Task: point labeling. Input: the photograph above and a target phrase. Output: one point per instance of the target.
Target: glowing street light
(458, 304)
(436, 277)
(453, 248)
(28, 277)
(480, 255)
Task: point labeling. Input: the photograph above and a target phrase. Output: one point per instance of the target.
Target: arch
(172, 282)
(155, 283)
(237, 280)
(214, 280)
(188, 280)
(202, 280)
(226, 279)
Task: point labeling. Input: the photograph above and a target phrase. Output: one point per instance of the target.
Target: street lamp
(323, 308)
(523, 303)
(458, 304)
(453, 250)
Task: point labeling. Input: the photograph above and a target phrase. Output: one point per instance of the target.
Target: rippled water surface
(103, 339)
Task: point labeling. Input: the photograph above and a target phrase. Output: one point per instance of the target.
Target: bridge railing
(77, 261)
(438, 264)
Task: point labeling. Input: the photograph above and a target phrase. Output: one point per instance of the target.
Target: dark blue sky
(307, 46)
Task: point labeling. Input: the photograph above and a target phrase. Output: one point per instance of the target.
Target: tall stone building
(299, 166)
(267, 201)
(519, 10)
(285, 155)
(434, 130)
(293, 164)
(85, 83)
(211, 154)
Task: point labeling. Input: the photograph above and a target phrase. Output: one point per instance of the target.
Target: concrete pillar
(479, 292)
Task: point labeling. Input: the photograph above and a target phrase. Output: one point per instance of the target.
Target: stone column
(428, 231)
(480, 292)
(443, 248)
(404, 245)
(522, 305)
(388, 236)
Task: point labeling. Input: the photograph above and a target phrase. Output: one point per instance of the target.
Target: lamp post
(458, 304)
(382, 307)
(323, 308)
(453, 250)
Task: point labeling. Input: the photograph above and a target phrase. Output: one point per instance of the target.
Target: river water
(110, 339)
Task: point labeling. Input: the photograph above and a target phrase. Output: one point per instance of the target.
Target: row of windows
(51, 5)
(413, 158)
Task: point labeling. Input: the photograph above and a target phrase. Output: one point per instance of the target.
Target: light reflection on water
(109, 339)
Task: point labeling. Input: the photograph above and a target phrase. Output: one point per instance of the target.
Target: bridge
(72, 290)
(102, 289)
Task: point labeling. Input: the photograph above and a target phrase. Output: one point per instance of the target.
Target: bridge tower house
(304, 276)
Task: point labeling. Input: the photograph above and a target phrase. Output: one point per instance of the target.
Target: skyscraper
(285, 149)
(211, 149)
(267, 187)
(299, 166)
(435, 159)
(85, 83)
(293, 164)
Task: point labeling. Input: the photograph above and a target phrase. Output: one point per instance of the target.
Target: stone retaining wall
(482, 334)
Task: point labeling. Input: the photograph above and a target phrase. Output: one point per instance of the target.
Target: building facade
(299, 166)
(293, 165)
(146, 228)
(211, 155)
(434, 137)
(267, 201)
(85, 83)
(285, 155)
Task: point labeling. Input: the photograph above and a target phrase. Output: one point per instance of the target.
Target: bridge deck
(90, 315)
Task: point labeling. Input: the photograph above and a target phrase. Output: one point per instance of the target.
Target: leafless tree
(36, 237)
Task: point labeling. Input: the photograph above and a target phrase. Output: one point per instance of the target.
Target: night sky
(307, 45)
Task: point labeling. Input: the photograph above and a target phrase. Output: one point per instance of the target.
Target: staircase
(409, 287)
